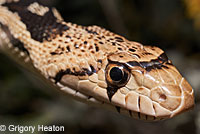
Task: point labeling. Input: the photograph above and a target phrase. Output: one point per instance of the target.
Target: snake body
(93, 64)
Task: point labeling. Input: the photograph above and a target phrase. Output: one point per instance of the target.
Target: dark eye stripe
(153, 64)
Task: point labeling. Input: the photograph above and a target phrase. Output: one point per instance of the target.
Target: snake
(92, 64)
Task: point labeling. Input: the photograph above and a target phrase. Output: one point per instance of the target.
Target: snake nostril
(162, 97)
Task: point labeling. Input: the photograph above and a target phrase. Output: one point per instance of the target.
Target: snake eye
(117, 75)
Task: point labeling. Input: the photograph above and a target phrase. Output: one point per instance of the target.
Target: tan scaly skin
(93, 64)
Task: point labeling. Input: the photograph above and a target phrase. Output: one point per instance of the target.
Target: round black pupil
(116, 74)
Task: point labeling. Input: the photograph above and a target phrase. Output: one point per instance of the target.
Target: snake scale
(93, 64)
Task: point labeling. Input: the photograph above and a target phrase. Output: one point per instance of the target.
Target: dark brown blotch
(60, 40)
(100, 42)
(96, 47)
(113, 43)
(91, 47)
(119, 39)
(85, 42)
(68, 48)
(99, 37)
(131, 49)
(119, 48)
(53, 53)
(15, 42)
(91, 32)
(99, 60)
(67, 36)
(56, 53)
(42, 28)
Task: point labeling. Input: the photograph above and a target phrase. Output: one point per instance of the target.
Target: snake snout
(162, 90)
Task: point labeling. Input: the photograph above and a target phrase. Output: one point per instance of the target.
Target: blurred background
(173, 25)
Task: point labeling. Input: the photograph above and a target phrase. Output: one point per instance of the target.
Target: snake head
(147, 85)
(141, 83)
(134, 79)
